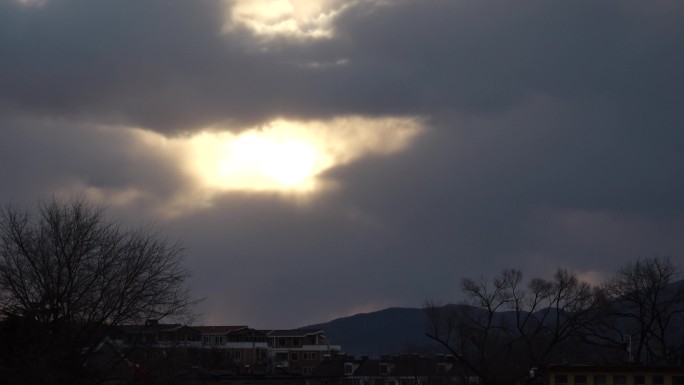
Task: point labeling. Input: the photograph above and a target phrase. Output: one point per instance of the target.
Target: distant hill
(388, 331)
(397, 330)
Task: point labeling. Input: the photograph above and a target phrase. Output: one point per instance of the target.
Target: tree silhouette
(649, 306)
(508, 326)
(66, 275)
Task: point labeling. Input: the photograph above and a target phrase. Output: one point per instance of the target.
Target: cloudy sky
(323, 158)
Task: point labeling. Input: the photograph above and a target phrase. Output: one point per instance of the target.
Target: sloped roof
(294, 332)
(218, 329)
(248, 332)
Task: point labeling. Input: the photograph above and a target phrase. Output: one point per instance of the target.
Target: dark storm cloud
(483, 56)
(555, 139)
(167, 65)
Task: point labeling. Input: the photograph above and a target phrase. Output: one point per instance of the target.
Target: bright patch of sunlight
(283, 156)
(298, 18)
(253, 161)
(289, 155)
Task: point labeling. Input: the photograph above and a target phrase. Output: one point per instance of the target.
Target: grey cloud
(485, 56)
(165, 64)
(41, 157)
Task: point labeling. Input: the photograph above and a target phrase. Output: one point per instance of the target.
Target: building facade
(614, 375)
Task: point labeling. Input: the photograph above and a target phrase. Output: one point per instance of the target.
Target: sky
(319, 159)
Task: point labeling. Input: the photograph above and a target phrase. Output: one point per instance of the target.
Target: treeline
(509, 325)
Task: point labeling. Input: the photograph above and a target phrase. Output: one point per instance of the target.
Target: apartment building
(233, 349)
(299, 351)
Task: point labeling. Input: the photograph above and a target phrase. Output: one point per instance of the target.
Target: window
(599, 379)
(384, 369)
(294, 356)
(619, 380)
(677, 380)
(561, 379)
(307, 370)
(295, 342)
(580, 379)
(658, 380)
(281, 341)
(639, 380)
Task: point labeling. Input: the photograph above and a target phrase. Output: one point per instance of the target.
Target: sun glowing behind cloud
(289, 155)
(298, 18)
(253, 161)
(284, 156)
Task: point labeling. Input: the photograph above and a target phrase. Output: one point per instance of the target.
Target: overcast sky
(323, 158)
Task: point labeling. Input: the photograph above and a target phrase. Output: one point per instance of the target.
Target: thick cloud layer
(167, 65)
(553, 137)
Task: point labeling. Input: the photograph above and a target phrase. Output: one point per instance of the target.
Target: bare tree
(68, 273)
(647, 305)
(506, 326)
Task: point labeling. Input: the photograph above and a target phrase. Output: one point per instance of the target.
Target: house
(226, 350)
(240, 349)
(628, 374)
(299, 351)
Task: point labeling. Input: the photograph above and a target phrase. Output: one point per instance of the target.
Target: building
(614, 375)
(238, 349)
(299, 351)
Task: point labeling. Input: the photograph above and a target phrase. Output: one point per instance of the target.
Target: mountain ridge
(387, 331)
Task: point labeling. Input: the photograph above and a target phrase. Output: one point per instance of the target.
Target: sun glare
(299, 18)
(283, 156)
(255, 161)
(288, 156)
